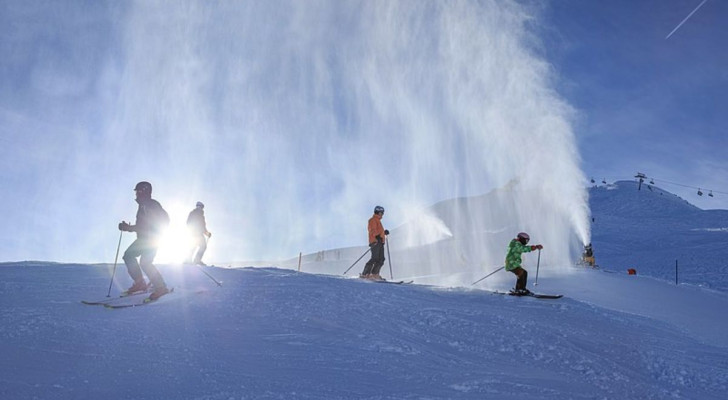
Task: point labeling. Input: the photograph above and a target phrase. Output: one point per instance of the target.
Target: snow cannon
(587, 258)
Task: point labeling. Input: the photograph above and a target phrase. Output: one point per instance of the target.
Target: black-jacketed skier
(516, 248)
(151, 221)
(377, 237)
(198, 232)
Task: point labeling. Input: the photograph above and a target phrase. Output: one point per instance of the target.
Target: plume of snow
(291, 120)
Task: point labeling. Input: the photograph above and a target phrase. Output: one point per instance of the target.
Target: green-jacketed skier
(516, 248)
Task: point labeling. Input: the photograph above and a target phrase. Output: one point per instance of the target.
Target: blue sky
(646, 103)
(292, 125)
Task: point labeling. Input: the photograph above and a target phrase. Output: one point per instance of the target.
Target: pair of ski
(395, 282)
(531, 294)
(126, 300)
(389, 282)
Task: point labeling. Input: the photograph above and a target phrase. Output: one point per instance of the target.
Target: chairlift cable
(688, 186)
(653, 181)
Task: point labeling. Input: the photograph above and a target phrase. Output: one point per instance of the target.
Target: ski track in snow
(275, 334)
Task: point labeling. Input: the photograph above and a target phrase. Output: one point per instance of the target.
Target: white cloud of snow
(292, 120)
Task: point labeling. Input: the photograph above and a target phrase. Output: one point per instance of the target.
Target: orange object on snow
(632, 271)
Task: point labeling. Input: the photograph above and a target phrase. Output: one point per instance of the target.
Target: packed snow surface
(271, 333)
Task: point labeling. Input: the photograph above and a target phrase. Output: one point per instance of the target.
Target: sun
(175, 245)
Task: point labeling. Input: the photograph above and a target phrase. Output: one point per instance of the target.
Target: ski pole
(389, 258)
(488, 275)
(209, 276)
(362, 256)
(115, 259)
(538, 263)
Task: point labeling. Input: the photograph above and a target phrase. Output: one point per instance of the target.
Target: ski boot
(158, 292)
(138, 286)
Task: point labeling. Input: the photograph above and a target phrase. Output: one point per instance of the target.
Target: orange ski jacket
(375, 228)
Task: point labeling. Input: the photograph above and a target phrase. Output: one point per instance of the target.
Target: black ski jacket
(151, 219)
(196, 222)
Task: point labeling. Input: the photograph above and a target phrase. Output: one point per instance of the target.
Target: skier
(377, 235)
(151, 220)
(517, 247)
(199, 233)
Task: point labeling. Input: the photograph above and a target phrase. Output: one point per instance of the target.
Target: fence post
(676, 272)
(299, 261)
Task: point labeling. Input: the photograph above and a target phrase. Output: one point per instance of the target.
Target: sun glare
(176, 245)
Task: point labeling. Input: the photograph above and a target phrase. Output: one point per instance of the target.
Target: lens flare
(175, 245)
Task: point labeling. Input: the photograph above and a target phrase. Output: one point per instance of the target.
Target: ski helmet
(378, 210)
(143, 186)
(523, 238)
(199, 205)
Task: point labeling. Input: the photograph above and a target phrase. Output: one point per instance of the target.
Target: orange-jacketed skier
(377, 237)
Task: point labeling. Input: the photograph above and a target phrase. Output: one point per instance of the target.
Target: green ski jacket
(513, 258)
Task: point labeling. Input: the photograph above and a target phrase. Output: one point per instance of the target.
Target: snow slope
(271, 333)
(650, 229)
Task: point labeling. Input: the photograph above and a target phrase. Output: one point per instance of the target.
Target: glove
(536, 247)
(208, 234)
(379, 238)
(386, 232)
(123, 226)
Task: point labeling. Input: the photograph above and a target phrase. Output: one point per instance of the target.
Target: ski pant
(146, 250)
(522, 275)
(199, 245)
(375, 263)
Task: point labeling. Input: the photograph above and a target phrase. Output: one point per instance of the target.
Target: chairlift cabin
(699, 192)
(652, 181)
(592, 180)
(710, 194)
(604, 181)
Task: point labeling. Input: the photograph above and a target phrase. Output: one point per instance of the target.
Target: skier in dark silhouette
(198, 230)
(151, 220)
